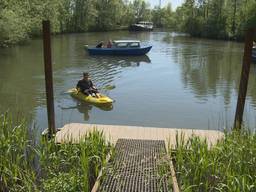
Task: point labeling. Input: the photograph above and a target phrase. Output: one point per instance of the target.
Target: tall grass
(228, 166)
(46, 166)
(16, 166)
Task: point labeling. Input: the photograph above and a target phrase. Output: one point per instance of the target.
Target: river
(183, 82)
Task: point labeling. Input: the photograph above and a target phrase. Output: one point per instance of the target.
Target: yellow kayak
(90, 99)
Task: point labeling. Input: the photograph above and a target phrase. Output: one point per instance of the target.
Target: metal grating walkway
(135, 167)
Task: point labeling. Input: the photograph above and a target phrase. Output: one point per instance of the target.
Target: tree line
(225, 19)
(218, 19)
(21, 20)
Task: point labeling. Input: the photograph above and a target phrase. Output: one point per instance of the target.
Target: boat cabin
(146, 23)
(126, 44)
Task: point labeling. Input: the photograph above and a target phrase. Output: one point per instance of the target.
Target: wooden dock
(135, 167)
(74, 132)
(138, 151)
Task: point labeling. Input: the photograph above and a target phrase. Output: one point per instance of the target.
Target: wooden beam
(75, 132)
(244, 78)
(48, 77)
(175, 184)
(97, 182)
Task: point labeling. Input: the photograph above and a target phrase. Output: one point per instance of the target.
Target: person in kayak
(86, 86)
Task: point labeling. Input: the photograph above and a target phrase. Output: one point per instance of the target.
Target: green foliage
(219, 19)
(13, 29)
(164, 17)
(20, 20)
(141, 10)
(16, 157)
(222, 19)
(228, 166)
(63, 182)
(27, 166)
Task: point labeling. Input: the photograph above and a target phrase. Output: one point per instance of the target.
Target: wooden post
(48, 77)
(244, 78)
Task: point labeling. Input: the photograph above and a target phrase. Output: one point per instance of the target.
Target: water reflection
(209, 67)
(193, 81)
(123, 61)
(169, 36)
(85, 108)
(17, 82)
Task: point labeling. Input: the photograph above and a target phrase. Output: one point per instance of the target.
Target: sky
(175, 3)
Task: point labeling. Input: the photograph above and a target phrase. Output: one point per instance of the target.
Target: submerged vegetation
(228, 166)
(27, 165)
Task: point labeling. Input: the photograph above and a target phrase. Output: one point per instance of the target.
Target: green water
(182, 82)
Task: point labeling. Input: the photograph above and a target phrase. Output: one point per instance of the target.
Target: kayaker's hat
(86, 74)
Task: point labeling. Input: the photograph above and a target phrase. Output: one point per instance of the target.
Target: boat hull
(254, 58)
(254, 55)
(139, 28)
(119, 51)
(103, 100)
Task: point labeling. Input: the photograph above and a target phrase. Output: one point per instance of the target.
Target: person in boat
(86, 86)
(100, 44)
(109, 45)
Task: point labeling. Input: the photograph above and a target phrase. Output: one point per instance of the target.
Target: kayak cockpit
(103, 99)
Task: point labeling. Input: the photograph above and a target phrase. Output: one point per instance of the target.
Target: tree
(164, 17)
(141, 10)
(221, 19)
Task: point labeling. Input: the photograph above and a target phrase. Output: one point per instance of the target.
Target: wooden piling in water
(48, 76)
(244, 78)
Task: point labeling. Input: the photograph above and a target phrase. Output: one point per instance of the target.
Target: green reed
(228, 166)
(27, 165)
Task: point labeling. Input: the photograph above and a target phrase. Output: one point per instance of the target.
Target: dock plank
(74, 132)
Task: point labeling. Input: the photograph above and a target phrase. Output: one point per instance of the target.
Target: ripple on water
(182, 82)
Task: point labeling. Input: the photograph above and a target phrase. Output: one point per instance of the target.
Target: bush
(228, 166)
(27, 166)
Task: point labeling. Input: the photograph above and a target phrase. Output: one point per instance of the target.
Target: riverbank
(27, 164)
(228, 166)
(121, 28)
(215, 20)
(66, 16)
(27, 40)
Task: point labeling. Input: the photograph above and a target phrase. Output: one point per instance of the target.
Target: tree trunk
(234, 18)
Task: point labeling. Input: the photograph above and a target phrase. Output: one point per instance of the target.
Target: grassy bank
(228, 166)
(30, 165)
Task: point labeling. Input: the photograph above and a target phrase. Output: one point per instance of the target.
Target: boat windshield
(145, 23)
(135, 44)
(121, 45)
(128, 44)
